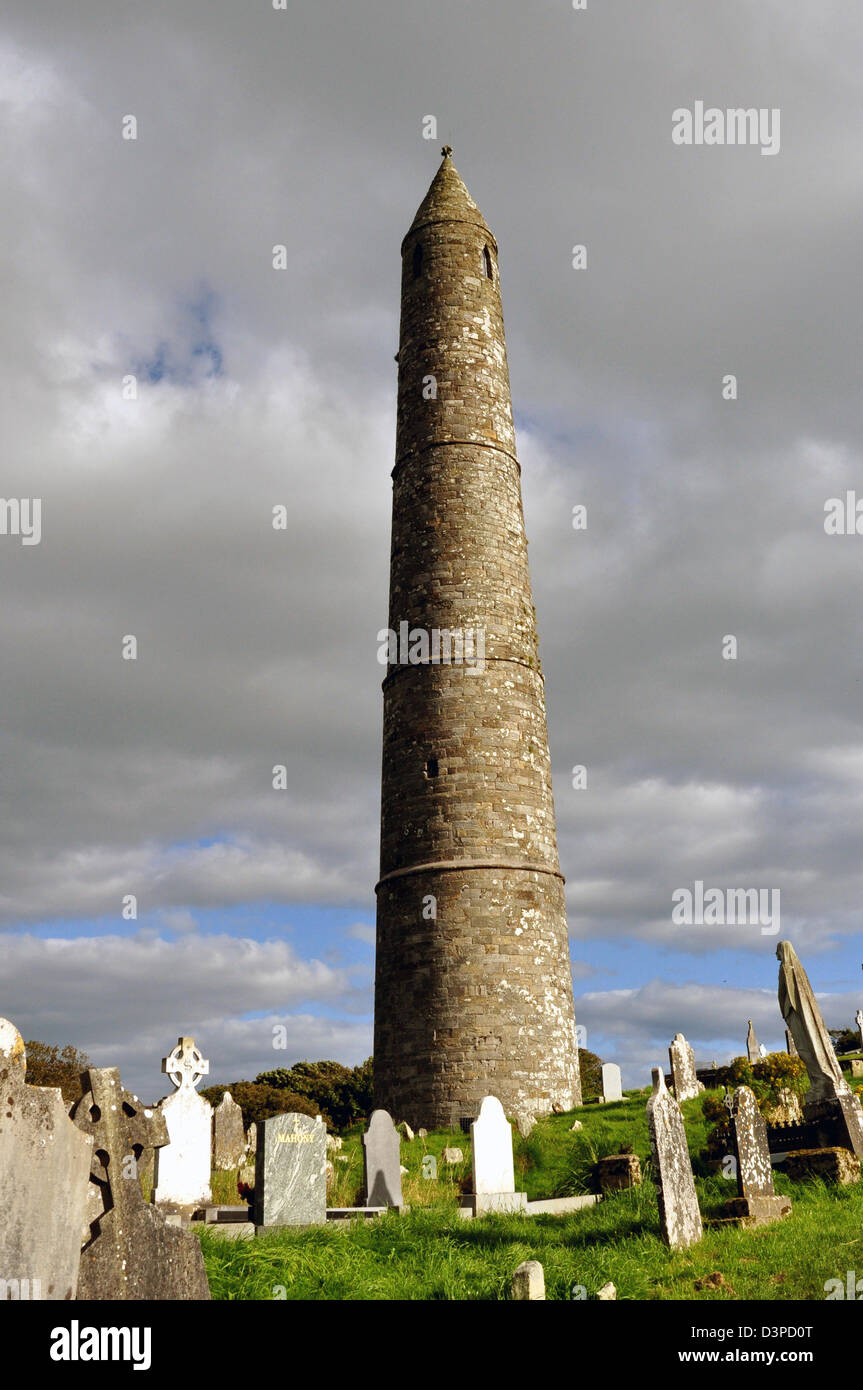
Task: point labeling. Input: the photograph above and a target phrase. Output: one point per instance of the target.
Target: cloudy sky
(152, 258)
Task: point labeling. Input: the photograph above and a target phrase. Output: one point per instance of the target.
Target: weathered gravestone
(682, 1059)
(130, 1251)
(858, 1019)
(528, 1282)
(830, 1102)
(611, 1087)
(182, 1167)
(492, 1163)
(290, 1171)
(679, 1216)
(756, 1203)
(382, 1169)
(752, 1051)
(251, 1138)
(229, 1139)
(789, 1044)
(44, 1168)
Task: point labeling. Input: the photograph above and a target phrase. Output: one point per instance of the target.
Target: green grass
(432, 1253)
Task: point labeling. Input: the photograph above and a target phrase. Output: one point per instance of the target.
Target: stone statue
(806, 1025)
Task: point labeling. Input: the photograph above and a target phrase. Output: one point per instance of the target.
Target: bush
(56, 1066)
(344, 1094)
(261, 1102)
(591, 1073)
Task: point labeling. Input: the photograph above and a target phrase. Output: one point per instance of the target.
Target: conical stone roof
(448, 201)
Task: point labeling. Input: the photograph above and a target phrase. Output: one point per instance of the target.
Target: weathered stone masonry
(478, 998)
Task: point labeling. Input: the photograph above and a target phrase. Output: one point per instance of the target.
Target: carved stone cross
(185, 1065)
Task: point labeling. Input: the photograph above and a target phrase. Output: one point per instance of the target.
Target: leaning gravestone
(682, 1059)
(756, 1203)
(679, 1216)
(291, 1171)
(182, 1167)
(492, 1162)
(382, 1168)
(130, 1251)
(44, 1168)
(229, 1140)
(752, 1050)
(829, 1100)
(611, 1085)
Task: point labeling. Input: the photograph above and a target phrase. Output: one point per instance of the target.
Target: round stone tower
(473, 990)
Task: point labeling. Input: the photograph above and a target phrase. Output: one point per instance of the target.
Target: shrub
(260, 1102)
(344, 1094)
(56, 1066)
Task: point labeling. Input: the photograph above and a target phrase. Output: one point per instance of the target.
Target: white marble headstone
(182, 1167)
(611, 1087)
(491, 1136)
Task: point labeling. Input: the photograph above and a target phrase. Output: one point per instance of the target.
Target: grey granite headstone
(290, 1171)
(130, 1250)
(679, 1216)
(805, 1022)
(756, 1202)
(44, 1170)
(611, 1084)
(229, 1139)
(682, 1059)
(829, 1096)
(381, 1165)
(752, 1051)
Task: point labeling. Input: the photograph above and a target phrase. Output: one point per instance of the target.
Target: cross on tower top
(185, 1064)
(446, 151)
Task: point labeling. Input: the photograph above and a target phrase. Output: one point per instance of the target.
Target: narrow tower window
(418, 261)
(486, 264)
(431, 767)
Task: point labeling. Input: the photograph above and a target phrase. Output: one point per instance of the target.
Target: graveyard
(735, 1182)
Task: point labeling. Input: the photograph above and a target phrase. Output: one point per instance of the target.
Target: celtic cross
(185, 1064)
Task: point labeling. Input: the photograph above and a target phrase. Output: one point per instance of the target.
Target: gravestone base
(482, 1203)
(831, 1164)
(346, 1213)
(232, 1230)
(757, 1211)
(618, 1171)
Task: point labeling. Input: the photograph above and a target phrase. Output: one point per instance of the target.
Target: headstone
(182, 1167)
(290, 1171)
(789, 1044)
(492, 1163)
(607, 1294)
(682, 1059)
(752, 1051)
(756, 1203)
(44, 1171)
(528, 1282)
(829, 1096)
(381, 1167)
(422, 1134)
(856, 1067)
(229, 1140)
(611, 1087)
(406, 1130)
(130, 1251)
(525, 1123)
(762, 1050)
(575, 1126)
(451, 1156)
(858, 1019)
(679, 1216)
(334, 1143)
(251, 1138)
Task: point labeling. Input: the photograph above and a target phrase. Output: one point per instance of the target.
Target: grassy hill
(432, 1253)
